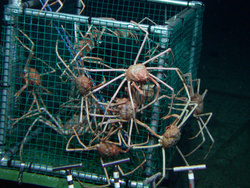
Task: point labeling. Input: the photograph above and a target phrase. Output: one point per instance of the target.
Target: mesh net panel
(51, 101)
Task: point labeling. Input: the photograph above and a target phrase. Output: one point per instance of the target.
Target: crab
(106, 149)
(83, 83)
(32, 81)
(169, 138)
(57, 125)
(198, 112)
(122, 113)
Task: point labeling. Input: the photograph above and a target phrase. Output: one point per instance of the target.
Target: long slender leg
(87, 113)
(26, 135)
(27, 115)
(172, 89)
(113, 97)
(45, 4)
(81, 110)
(182, 156)
(105, 127)
(21, 90)
(203, 140)
(73, 60)
(132, 171)
(163, 166)
(181, 76)
(204, 125)
(82, 144)
(27, 48)
(158, 55)
(130, 131)
(104, 85)
(144, 40)
(129, 145)
(83, 7)
(133, 105)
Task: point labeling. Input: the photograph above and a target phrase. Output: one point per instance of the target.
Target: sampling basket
(115, 40)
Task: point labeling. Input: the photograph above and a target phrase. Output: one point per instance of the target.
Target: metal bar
(187, 168)
(193, 49)
(117, 162)
(156, 106)
(7, 71)
(66, 167)
(85, 20)
(174, 2)
(179, 17)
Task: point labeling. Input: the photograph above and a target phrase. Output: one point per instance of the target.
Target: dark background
(224, 71)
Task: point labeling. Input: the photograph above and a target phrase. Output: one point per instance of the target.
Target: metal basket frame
(170, 33)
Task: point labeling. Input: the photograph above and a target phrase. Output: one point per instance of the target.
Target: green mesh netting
(56, 99)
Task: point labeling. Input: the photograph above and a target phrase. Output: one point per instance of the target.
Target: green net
(42, 96)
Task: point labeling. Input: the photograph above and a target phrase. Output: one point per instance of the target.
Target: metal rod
(194, 44)
(187, 168)
(116, 162)
(156, 107)
(174, 2)
(85, 20)
(65, 167)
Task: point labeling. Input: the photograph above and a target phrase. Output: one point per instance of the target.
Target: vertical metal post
(7, 93)
(78, 5)
(156, 106)
(194, 44)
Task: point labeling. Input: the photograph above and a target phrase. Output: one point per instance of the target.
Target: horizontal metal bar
(116, 162)
(187, 168)
(177, 3)
(85, 20)
(76, 174)
(67, 167)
